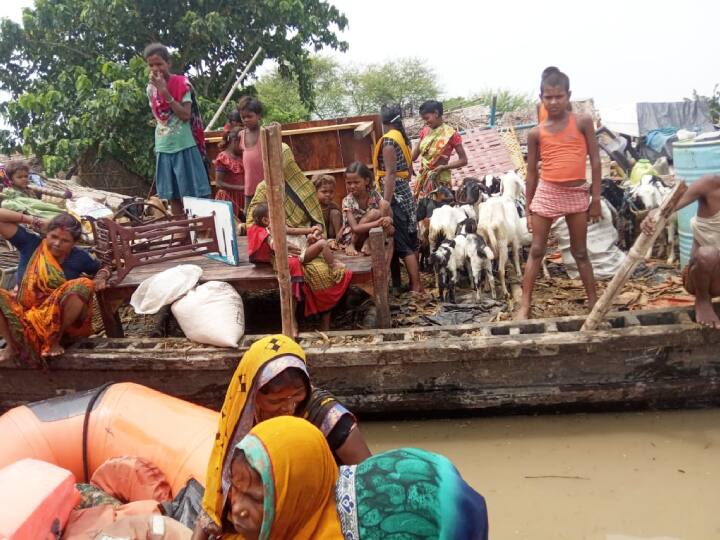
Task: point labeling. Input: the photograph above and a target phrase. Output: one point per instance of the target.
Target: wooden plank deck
(246, 276)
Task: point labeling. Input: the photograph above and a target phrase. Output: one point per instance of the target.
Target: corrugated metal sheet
(486, 155)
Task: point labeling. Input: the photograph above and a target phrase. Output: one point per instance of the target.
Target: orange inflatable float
(80, 432)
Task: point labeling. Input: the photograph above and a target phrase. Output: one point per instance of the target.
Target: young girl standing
(179, 137)
(363, 209)
(251, 114)
(562, 142)
(230, 173)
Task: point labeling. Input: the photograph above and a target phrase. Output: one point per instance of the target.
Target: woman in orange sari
(54, 298)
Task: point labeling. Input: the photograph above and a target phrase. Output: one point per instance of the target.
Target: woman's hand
(159, 82)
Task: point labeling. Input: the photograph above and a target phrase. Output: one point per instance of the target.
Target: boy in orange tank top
(562, 142)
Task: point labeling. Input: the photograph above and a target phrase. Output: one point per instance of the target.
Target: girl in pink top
(251, 113)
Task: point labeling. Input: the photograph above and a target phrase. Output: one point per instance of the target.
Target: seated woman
(285, 485)
(272, 380)
(53, 299)
(323, 287)
(363, 210)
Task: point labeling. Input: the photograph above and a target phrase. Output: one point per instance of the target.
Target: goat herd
(472, 230)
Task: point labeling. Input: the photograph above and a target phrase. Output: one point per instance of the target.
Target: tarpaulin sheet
(692, 115)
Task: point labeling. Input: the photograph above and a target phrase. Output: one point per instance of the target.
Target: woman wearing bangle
(53, 299)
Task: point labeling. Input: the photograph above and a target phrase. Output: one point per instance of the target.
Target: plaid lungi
(553, 200)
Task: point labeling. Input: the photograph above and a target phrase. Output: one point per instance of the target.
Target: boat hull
(654, 358)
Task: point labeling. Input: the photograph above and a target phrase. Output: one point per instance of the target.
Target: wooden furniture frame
(123, 248)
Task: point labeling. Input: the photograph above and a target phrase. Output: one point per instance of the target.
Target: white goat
(478, 258)
(444, 223)
(499, 224)
(650, 193)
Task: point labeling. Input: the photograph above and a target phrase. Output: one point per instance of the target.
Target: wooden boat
(657, 358)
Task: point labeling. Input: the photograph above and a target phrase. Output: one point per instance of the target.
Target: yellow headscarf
(237, 415)
(299, 475)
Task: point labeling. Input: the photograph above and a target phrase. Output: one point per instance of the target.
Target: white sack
(212, 313)
(602, 237)
(164, 288)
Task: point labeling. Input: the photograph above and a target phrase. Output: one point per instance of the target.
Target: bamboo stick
(232, 90)
(634, 256)
(271, 146)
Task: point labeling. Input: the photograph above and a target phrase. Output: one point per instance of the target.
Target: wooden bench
(369, 273)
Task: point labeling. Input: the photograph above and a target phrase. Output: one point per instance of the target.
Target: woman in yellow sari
(438, 140)
(322, 287)
(54, 298)
(285, 486)
(272, 380)
(393, 169)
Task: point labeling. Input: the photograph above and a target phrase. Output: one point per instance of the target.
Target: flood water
(626, 476)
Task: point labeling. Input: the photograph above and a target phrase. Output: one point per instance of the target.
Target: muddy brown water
(627, 476)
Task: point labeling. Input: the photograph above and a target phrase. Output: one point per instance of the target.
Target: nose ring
(244, 514)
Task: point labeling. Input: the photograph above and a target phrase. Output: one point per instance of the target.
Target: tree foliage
(507, 100)
(713, 101)
(76, 80)
(352, 90)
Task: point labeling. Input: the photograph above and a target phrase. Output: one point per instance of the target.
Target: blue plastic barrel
(692, 160)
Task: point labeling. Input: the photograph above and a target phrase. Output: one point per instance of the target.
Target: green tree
(712, 100)
(507, 100)
(407, 81)
(280, 97)
(77, 83)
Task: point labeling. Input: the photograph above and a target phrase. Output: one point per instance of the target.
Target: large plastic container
(692, 160)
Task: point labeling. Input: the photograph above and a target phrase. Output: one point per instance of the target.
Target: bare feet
(705, 314)
(523, 313)
(350, 251)
(55, 350)
(366, 248)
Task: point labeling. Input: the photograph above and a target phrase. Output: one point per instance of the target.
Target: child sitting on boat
(325, 187)
(701, 277)
(363, 209)
(306, 243)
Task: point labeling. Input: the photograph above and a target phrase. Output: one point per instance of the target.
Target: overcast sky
(616, 51)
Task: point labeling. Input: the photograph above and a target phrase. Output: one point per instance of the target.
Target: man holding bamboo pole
(701, 276)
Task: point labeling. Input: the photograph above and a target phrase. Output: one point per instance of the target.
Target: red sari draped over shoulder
(34, 316)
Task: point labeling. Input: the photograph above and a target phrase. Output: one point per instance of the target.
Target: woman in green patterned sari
(285, 485)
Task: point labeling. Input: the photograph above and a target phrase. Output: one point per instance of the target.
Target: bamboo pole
(271, 147)
(232, 90)
(634, 256)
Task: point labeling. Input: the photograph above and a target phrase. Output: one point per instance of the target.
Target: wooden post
(634, 256)
(380, 277)
(271, 146)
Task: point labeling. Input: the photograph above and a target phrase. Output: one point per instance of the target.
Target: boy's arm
(588, 129)
(532, 169)
(699, 189)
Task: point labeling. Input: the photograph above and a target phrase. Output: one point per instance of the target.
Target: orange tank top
(563, 154)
